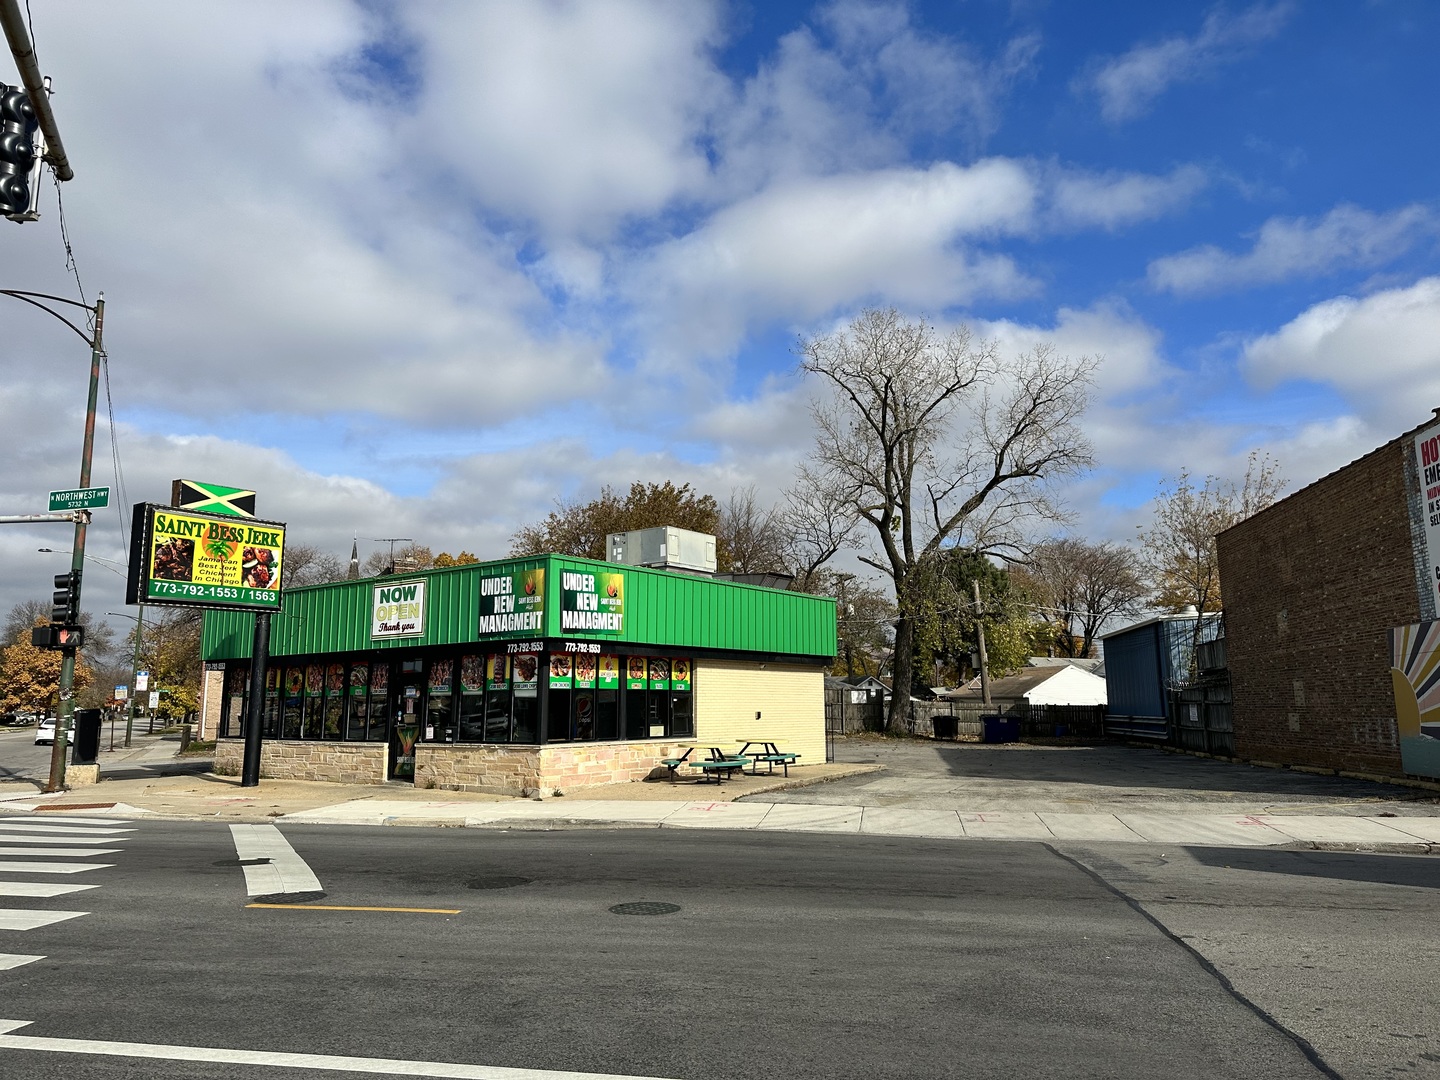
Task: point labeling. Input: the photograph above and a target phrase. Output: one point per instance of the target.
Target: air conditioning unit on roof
(664, 547)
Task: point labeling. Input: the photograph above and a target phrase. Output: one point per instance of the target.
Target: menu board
(635, 672)
(472, 674)
(440, 676)
(586, 665)
(527, 673)
(562, 671)
(608, 677)
(680, 674)
(204, 560)
(659, 673)
(497, 671)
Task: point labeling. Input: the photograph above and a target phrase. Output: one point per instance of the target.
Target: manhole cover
(496, 882)
(645, 907)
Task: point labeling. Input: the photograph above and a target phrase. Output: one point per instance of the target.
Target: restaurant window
(334, 702)
(359, 688)
(379, 728)
(525, 699)
(270, 722)
(498, 675)
(292, 708)
(560, 689)
(440, 702)
(314, 719)
(607, 714)
(471, 720)
(237, 698)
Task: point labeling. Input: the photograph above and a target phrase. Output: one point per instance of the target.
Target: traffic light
(66, 609)
(19, 154)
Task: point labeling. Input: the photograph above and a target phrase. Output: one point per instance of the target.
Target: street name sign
(79, 499)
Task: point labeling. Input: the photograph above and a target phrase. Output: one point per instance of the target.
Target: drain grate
(500, 882)
(645, 907)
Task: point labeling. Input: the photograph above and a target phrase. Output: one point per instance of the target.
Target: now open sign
(398, 610)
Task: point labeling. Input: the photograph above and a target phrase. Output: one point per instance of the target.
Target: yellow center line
(337, 907)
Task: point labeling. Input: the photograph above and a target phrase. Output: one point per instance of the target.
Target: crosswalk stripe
(32, 918)
(14, 960)
(7, 830)
(50, 867)
(40, 888)
(333, 1062)
(67, 819)
(58, 851)
(284, 871)
(30, 838)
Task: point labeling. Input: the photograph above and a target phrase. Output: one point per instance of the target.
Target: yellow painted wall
(790, 699)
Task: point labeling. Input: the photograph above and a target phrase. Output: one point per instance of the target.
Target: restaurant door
(405, 724)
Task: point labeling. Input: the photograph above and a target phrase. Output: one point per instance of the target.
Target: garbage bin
(999, 729)
(946, 727)
(86, 736)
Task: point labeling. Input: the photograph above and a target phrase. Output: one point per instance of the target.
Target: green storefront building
(523, 676)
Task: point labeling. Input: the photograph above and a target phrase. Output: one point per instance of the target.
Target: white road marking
(31, 918)
(50, 867)
(39, 888)
(58, 851)
(283, 872)
(334, 1062)
(13, 960)
(66, 819)
(36, 827)
(75, 841)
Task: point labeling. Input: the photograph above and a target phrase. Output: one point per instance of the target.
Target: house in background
(1059, 684)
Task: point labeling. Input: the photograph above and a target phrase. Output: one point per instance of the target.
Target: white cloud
(802, 249)
(1382, 352)
(1113, 199)
(1128, 85)
(1296, 247)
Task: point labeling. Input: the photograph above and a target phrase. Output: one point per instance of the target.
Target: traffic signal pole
(24, 52)
(77, 562)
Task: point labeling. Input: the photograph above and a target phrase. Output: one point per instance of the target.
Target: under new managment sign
(204, 560)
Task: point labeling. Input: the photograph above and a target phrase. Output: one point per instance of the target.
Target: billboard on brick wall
(1427, 458)
(1415, 678)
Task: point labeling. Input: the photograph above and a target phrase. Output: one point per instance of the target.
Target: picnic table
(769, 753)
(719, 765)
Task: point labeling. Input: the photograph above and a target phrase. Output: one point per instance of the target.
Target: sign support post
(250, 768)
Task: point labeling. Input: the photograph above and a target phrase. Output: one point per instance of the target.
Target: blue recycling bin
(999, 729)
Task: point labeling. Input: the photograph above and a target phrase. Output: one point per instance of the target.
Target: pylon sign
(212, 498)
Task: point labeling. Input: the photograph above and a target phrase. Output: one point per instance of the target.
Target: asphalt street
(788, 956)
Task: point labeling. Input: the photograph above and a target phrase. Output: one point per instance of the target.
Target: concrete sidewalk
(810, 800)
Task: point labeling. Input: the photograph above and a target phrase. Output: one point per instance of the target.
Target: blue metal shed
(1142, 664)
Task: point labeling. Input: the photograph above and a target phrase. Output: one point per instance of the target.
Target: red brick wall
(1311, 587)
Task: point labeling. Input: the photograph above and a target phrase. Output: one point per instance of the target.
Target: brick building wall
(1312, 586)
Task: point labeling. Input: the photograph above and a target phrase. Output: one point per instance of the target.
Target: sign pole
(134, 668)
(250, 769)
(77, 564)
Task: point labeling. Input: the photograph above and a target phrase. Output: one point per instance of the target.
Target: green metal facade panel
(661, 608)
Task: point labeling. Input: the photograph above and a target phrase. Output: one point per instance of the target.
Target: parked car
(45, 733)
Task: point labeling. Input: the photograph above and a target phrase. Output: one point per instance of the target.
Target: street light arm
(30, 298)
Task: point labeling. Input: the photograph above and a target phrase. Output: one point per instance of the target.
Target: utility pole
(77, 561)
(980, 635)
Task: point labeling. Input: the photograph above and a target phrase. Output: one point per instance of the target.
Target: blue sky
(424, 268)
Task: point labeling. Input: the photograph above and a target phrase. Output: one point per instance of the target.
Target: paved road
(921, 774)
(790, 956)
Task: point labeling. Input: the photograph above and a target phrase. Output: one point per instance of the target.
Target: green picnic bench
(719, 765)
(769, 753)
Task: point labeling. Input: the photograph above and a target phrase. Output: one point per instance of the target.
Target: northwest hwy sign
(79, 499)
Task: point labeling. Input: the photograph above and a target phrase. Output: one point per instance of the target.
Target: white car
(45, 733)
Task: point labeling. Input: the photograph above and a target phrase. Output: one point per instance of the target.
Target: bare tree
(1179, 547)
(754, 535)
(817, 522)
(410, 557)
(306, 564)
(1079, 586)
(937, 442)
